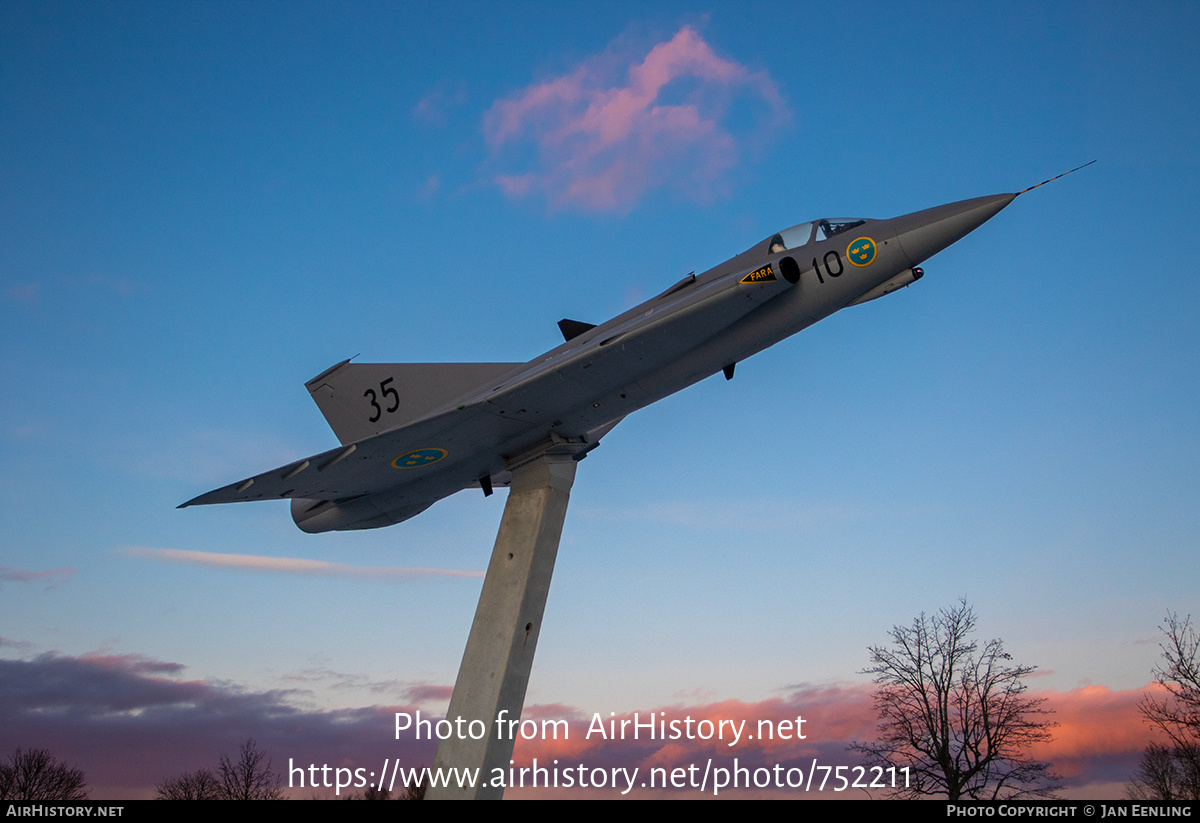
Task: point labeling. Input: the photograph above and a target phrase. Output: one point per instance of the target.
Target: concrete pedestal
(495, 666)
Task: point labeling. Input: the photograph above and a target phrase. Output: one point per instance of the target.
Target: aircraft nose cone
(923, 234)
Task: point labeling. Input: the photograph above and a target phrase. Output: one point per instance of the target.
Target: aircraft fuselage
(398, 458)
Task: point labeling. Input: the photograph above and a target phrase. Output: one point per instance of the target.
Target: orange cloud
(1095, 723)
(1096, 745)
(603, 142)
(812, 724)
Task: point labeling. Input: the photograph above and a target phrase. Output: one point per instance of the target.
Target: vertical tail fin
(360, 400)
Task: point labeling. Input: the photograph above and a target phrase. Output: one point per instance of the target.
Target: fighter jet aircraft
(413, 433)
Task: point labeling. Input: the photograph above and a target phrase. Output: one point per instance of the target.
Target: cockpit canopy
(805, 233)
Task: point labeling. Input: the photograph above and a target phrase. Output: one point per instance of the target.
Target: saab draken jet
(414, 433)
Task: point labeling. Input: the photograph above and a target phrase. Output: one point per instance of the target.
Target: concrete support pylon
(499, 655)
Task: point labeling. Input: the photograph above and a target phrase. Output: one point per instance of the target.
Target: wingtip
(193, 502)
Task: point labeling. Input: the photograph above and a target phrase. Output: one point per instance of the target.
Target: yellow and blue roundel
(417, 458)
(862, 251)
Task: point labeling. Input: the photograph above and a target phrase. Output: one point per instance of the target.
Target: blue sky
(206, 204)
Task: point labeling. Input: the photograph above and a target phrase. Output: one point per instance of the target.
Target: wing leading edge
(391, 418)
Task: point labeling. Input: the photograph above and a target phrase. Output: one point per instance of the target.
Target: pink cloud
(25, 292)
(292, 565)
(129, 723)
(431, 110)
(427, 692)
(431, 186)
(52, 577)
(1096, 746)
(124, 286)
(602, 142)
(136, 663)
(1095, 723)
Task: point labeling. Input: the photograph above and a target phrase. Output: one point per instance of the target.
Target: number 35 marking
(384, 391)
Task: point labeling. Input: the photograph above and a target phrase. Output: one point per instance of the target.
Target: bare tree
(415, 791)
(36, 775)
(411, 791)
(956, 715)
(1163, 776)
(1172, 771)
(251, 777)
(198, 785)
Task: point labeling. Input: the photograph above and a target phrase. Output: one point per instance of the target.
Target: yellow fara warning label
(759, 275)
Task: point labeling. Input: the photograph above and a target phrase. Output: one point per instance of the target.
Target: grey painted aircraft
(413, 433)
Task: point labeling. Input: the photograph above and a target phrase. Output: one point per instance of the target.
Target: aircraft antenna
(1052, 179)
